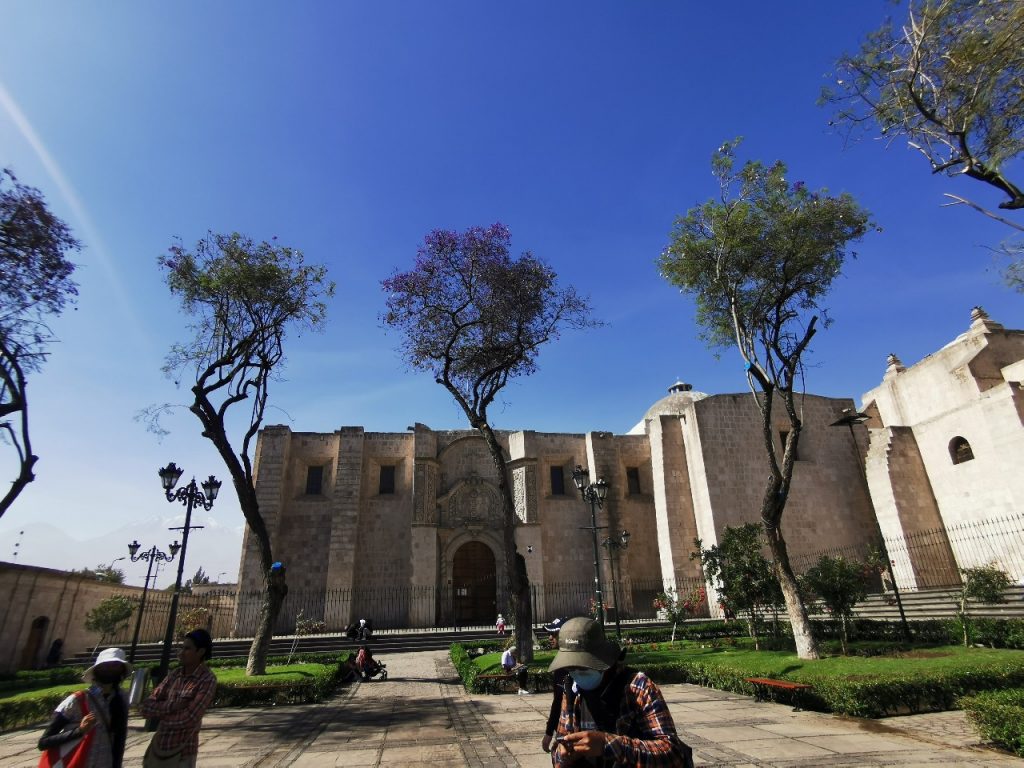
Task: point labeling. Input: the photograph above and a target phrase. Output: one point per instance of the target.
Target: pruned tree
(107, 573)
(741, 574)
(110, 616)
(981, 584)
(950, 81)
(840, 584)
(474, 317)
(759, 260)
(35, 285)
(242, 298)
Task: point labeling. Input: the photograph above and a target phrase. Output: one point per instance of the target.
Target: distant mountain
(215, 548)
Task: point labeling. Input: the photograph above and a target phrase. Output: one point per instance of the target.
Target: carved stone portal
(473, 503)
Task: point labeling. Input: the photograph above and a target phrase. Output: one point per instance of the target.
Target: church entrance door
(474, 584)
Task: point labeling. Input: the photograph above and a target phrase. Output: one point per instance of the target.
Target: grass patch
(871, 685)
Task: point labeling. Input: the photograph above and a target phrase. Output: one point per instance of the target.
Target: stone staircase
(938, 604)
(382, 642)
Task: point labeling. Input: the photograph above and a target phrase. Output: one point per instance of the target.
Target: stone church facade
(417, 514)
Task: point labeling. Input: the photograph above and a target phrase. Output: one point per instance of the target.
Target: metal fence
(926, 559)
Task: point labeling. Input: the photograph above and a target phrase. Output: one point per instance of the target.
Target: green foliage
(742, 575)
(840, 584)
(190, 619)
(305, 625)
(999, 717)
(983, 584)
(949, 80)
(761, 257)
(102, 572)
(110, 616)
(678, 607)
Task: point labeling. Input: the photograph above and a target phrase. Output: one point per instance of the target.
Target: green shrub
(999, 717)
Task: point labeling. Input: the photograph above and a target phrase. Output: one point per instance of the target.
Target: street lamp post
(190, 496)
(151, 556)
(614, 546)
(848, 419)
(593, 493)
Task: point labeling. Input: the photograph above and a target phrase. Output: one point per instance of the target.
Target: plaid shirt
(180, 701)
(645, 735)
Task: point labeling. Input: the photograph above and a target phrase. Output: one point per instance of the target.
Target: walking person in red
(180, 701)
(89, 727)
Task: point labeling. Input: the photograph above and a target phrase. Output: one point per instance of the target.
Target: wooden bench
(761, 684)
(493, 682)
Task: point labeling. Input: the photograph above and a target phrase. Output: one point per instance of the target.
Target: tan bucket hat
(581, 643)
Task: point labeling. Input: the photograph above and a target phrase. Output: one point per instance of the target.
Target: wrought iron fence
(927, 559)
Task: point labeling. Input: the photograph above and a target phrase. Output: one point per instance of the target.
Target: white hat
(107, 655)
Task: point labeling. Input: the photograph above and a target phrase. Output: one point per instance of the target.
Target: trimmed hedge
(26, 710)
(999, 717)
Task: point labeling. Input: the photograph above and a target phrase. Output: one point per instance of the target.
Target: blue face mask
(587, 679)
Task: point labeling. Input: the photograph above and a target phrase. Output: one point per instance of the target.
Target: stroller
(368, 667)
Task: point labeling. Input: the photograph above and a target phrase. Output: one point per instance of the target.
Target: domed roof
(679, 396)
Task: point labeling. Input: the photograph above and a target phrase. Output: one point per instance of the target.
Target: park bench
(493, 682)
(763, 684)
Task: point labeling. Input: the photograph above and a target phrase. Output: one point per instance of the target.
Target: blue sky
(350, 129)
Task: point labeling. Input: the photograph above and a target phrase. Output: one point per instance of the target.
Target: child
(500, 624)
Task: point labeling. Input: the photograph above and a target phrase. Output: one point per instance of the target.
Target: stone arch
(474, 568)
(34, 642)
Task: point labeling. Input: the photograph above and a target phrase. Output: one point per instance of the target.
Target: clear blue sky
(350, 129)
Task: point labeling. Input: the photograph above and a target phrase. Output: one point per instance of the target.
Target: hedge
(999, 717)
(30, 710)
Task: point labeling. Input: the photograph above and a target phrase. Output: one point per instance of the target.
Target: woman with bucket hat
(611, 714)
(89, 727)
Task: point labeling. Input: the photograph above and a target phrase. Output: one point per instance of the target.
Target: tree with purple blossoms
(35, 285)
(473, 316)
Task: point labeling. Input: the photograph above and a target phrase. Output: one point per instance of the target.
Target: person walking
(500, 624)
(89, 727)
(611, 714)
(180, 701)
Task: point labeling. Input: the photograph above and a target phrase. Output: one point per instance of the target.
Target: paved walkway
(421, 716)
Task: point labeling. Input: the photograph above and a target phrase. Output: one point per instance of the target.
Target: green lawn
(920, 679)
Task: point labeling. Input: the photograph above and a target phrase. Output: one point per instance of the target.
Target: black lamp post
(151, 556)
(848, 419)
(593, 493)
(190, 496)
(615, 546)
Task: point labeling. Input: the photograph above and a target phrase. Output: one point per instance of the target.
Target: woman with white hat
(89, 727)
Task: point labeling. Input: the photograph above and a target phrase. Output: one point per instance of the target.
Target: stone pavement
(422, 716)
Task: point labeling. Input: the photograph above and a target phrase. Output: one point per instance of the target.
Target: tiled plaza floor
(421, 716)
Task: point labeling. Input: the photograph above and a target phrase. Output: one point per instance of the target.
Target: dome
(679, 397)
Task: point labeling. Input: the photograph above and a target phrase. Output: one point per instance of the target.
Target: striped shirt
(180, 701)
(644, 737)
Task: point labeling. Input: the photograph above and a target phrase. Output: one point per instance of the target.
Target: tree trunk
(273, 598)
(842, 633)
(806, 647)
(520, 606)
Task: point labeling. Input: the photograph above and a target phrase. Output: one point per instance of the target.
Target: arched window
(960, 450)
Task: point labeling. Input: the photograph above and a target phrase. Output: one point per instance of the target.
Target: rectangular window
(633, 480)
(314, 481)
(387, 478)
(557, 481)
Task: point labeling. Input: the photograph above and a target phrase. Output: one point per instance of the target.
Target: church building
(355, 514)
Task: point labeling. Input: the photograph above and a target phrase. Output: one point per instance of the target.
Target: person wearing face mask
(611, 714)
(89, 727)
